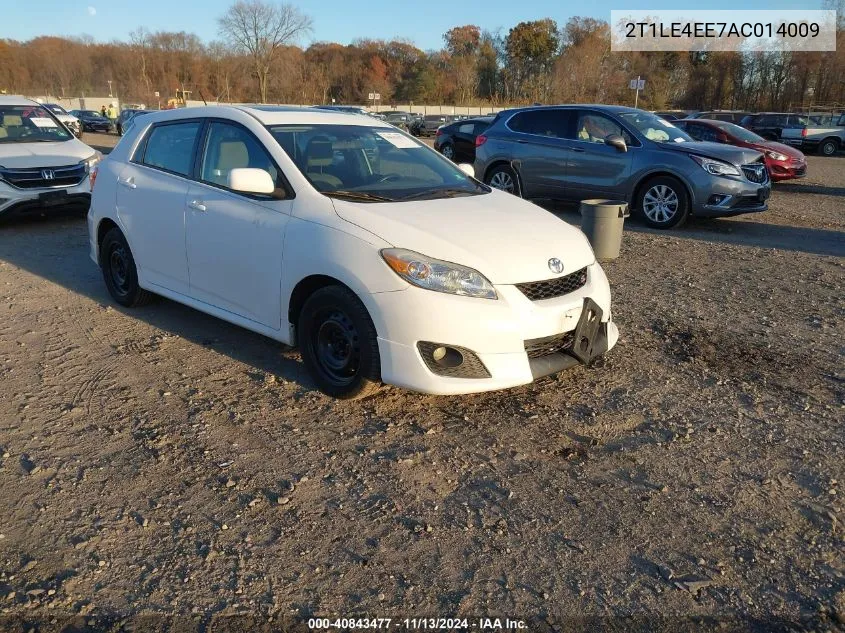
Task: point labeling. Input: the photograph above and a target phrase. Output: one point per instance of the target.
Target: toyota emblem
(555, 265)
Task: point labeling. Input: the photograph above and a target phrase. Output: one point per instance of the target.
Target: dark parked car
(398, 118)
(782, 161)
(578, 152)
(431, 122)
(126, 117)
(456, 141)
(92, 121)
(731, 116)
(770, 125)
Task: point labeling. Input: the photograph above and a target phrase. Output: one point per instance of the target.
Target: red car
(782, 161)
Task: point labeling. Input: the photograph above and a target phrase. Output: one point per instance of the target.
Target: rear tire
(339, 344)
(120, 272)
(448, 150)
(828, 147)
(504, 178)
(663, 203)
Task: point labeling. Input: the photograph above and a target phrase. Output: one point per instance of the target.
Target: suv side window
(229, 147)
(170, 146)
(593, 127)
(551, 123)
(466, 128)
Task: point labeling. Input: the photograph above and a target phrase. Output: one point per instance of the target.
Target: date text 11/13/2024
(419, 624)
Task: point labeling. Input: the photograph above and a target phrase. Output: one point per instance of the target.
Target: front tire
(663, 203)
(120, 272)
(503, 177)
(828, 147)
(339, 345)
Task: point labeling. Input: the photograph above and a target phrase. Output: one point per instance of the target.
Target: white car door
(151, 196)
(235, 240)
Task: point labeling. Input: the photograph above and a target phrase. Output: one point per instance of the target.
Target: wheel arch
(507, 163)
(645, 178)
(305, 288)
(105, 225)
(836, 141)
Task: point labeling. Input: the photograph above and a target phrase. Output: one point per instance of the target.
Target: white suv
(42, 165)
(382, 260)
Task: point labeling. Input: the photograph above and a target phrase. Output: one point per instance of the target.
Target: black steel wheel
(119, 271)
(338, 342)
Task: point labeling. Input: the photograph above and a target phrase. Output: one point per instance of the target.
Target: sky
(422, 22)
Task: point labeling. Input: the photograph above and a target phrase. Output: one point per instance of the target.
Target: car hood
(507, 239)
(23, 155)
(729, 153)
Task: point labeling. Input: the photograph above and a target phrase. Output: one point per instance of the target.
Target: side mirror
(249, 180)
(615, 140)
(468, 169)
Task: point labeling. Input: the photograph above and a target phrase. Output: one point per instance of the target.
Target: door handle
(577, 149)
(128, 183)
(198, 205)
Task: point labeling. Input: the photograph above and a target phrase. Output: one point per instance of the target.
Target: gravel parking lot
(159, 462)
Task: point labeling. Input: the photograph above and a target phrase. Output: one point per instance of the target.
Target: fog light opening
(717, 198)
(447, 357)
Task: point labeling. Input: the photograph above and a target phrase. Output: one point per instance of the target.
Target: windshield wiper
(441, 193)
(357, 195)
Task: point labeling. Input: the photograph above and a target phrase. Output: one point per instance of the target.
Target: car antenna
(203, 98)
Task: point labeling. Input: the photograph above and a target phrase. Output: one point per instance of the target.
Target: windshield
(29, 124)
(371, 164)
(741, 133)
(654, 128)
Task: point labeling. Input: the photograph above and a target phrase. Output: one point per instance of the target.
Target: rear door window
(553, 123)
(171, 147)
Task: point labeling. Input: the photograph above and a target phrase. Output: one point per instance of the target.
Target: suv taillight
(804, 132)
(439, 132)
(92, 176)
(480, 140)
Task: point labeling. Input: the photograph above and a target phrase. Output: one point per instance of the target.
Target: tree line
(257, 58)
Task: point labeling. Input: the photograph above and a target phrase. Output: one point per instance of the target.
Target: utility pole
(109, 82)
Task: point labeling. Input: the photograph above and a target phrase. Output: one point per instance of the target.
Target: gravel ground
(161, 465)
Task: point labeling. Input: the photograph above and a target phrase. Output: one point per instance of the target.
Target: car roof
(16, 100)
(601, 107)
(472, 119)
(272, 115)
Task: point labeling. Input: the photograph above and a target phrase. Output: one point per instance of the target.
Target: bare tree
(259, 30)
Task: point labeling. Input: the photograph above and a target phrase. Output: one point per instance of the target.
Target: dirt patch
(161, 464)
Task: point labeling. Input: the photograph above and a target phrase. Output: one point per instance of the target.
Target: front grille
(35, 178)
(551, 288)
(756, 172)
(539, 347)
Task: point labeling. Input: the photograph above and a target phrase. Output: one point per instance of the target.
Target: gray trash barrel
(601, 221)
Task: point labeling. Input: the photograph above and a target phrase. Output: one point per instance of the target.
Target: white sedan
(383, 261)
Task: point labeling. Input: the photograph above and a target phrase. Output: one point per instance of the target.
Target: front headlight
(716, 167)
(775, 155)
(92, 160)
(437, 275)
